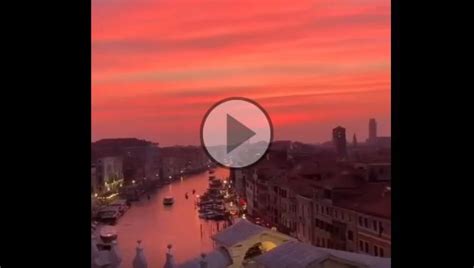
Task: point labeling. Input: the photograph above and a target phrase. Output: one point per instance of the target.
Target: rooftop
(296, 254)
(373, 199)
(238, 232)
(217, 258)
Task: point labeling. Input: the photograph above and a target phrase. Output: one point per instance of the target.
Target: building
(94, 183)
(180, 160)
(109, 174)
(372, 210)
(247, 245)
(297, 254)
(310, 199)
(140, 158)
(304, 215)
(372, 131)
(374, 140)
(340, 142)
(238, 178)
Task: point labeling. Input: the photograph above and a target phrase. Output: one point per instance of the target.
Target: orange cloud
(158, 65)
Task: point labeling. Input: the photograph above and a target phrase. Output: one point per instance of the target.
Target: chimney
(139, 261)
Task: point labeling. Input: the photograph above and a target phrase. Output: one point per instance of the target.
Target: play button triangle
(237, 133)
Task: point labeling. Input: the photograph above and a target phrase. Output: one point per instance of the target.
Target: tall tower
(339, 140)
(372, 130)
(354, 140)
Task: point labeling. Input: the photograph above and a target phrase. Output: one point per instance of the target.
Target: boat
(108, 234)
(206, 215)
(121, 205)
(109, 215)
(215, 184)
(212, 215)
(168, 201)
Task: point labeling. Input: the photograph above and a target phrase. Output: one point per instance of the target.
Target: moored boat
(109, 215)
(168, 201)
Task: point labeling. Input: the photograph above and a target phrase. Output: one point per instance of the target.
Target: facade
(238, 178)
(179, 160)
(304, 218)
(94, 184)
(109, 174)
(140, 158)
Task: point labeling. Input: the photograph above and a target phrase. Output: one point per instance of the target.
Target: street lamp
(133, 181)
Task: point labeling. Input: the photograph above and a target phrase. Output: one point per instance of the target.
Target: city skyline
(313, 65)
(329, 140)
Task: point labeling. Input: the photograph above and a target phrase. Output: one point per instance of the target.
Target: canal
(179, 225)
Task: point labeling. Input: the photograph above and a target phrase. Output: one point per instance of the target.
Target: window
(335, 214)
(376, 251)
(375, 225)
(366, 223)
(327, 194)
(361, 245)
(342, 215)
(381, 252)
(350, 235)
(360, 221)
(323, 244)
(317, 208)
(327, 210)
(366, 247)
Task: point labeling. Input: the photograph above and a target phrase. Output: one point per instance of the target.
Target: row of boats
(212, 203)
(111, 213)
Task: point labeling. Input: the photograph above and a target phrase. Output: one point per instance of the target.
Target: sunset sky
(158, 65)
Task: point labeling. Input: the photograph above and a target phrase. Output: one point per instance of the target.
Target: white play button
(236, 132)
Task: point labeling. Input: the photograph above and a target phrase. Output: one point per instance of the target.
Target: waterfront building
(140, 158)
(108, 177)
(180, 160)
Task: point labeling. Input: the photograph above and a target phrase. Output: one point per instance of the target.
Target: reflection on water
(157, 225)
